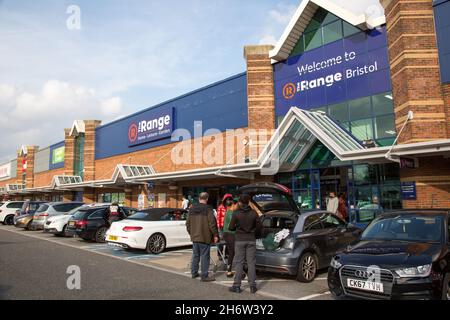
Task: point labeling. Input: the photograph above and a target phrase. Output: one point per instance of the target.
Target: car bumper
(126, 242)
(429, 288)
(37, 225)
(51, 230)
(283, 261)
(20, 224)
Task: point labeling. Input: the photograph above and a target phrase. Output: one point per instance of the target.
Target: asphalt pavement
(32, 268)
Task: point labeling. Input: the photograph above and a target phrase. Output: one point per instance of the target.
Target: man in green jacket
(202, 227)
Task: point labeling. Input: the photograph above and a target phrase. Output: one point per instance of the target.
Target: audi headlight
(420, 271)
(335, 264)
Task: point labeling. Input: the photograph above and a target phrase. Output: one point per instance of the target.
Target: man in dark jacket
(246, 223)
(202, 227)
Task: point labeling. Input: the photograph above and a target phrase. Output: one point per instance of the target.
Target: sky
(126, 56)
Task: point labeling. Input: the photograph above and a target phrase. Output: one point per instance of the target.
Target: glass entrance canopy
(299, 132)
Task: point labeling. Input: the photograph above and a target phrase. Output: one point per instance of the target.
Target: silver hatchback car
(51, 209)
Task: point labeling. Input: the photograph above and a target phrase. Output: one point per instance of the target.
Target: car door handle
(332, 238)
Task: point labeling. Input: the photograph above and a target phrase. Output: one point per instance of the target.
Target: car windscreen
(42, 208)
(406, 228)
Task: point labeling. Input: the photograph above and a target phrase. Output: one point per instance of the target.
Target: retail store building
(346, 101)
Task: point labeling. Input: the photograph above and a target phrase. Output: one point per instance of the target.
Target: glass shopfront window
(364, 186)
(118, 197)
(78, 161)
(369, 118)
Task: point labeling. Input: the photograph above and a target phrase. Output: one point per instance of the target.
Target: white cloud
(278, 18)
(38, 118)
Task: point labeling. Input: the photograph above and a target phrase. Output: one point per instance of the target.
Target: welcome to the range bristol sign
(354, 67)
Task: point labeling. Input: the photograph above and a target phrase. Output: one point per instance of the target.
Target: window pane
(349, 29)
(382, 104)
(313, 39)
(299, 47)
(339, 112)
(385, 142)
(360, 108)
(385, 127)
(362, 129)
(332, 32)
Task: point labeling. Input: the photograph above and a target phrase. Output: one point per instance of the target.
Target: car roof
(62, 202)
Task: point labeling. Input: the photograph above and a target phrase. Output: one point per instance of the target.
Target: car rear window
(80, 214)
(65, 207)
(100, 213)
(42, 208)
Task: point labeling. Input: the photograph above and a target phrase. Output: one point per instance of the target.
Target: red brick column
(415, 75)
(19, 167)
(69, 150)
(31, 152)
(417, 87)
(260, 91)
(89, 149)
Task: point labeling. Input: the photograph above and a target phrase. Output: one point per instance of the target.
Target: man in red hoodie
(227, 201)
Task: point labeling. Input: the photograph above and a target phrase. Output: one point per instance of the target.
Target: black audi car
(401, 255)
(310, 239)
(91, 222)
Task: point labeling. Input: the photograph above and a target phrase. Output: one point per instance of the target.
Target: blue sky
(128, 55)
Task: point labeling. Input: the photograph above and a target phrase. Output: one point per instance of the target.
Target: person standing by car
(332, 203)
(114, 213)
(202, 227)
(185, 203)
(245, 222)
(342, 211)
(229, 237)
(227, 201)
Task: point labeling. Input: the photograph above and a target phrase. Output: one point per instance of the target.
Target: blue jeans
(200, 252)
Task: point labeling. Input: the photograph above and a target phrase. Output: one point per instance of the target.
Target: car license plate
(71, 223)
(112, 238)
(365, 285)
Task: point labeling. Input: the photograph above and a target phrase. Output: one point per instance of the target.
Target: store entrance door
(312, 187)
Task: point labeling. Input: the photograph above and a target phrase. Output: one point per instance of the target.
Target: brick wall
(432, 181)
(44, 179)
(89, 149)
(69, 152)
(19, 171)
(31, 152)
(415, 70)
(260, 91)
(446, 92)
(161, 157)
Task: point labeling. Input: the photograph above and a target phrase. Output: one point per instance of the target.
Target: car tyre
(9, 220)
(446, 288)
(156, 244)
(307, 267)
(28, 226)
(100, 235)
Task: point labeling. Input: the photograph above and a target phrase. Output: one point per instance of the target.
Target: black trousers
(229, 241)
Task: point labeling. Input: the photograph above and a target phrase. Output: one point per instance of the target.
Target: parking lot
(175, 262)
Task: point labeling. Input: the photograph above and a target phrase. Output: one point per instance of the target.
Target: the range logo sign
(152, 125)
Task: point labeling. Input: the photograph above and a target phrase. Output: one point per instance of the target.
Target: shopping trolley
(222, 253)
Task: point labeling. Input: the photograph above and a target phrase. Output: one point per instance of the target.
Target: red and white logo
(133, 132)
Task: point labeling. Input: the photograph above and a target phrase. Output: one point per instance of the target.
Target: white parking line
(312, 296)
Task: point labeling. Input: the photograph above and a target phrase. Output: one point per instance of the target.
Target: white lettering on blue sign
(154, 124)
